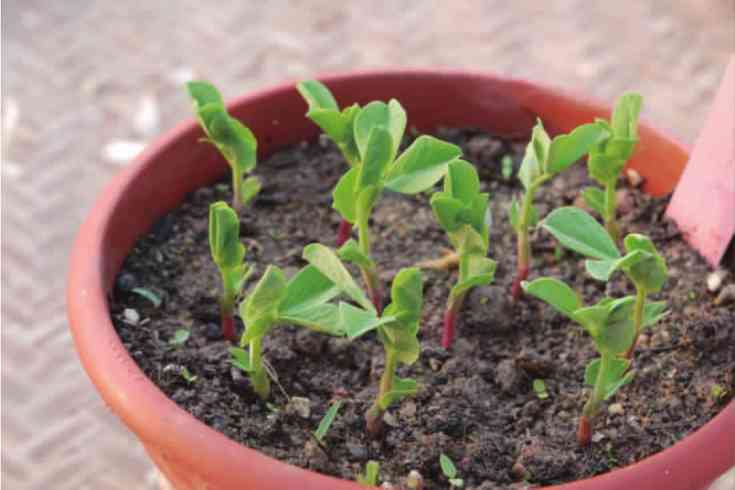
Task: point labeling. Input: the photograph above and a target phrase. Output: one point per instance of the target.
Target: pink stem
(450, 318)
(343, 232)
(584, 432)
(228, 327)
(516, 289)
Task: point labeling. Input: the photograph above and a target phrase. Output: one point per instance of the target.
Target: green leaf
(323, 318)
(613, 379)
(618, 330)
(400, 337)
(326, 422)
(447, 210)
(244, 146)
(592, 319)
(327, 262)
(377, 156)
(604, 168)
(568, 148)
(447, 466)
(651, 272)
(180, 337)
(456, 482)
(477, 270)
(422, 165)
(402, 387)
(370, 476)
(259, 311)
(186, 374)
(407, 294)
(625, 116)
(366, 199)
(250, 188)
(594, 197)
(577, 230)
(653, 312)
(233, 139)
(554, 292)
(540, 144)
(390, 116)
(603, 269)
(461, 181)
(356, 321)
(478, 280)
(148, 294)
(344, 194)
(539, 387)
(308, 288)
(507, 167)
(224, 236)
(203, 93)
(317, 95)
(531, 168)
(240, 358)
(350, 252)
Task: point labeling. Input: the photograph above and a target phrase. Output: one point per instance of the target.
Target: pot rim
(161, 424)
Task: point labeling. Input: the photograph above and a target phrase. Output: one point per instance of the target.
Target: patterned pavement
(85, 83)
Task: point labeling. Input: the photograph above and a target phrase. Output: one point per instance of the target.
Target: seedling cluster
(323, 296)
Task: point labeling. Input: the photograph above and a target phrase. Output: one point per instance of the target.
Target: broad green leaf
(308, 288)
(447, 210)
(250, 188)
(407, 294)
(653, 312)
(240, 358)
(350, 252)
(377, 156)
(474, 264)
(447, 466)
(578, 231)
(618, 330)
(422, 165)
(345, 193)
(324, 111)
(390, 116)
(233, 139)
(327, 262)
(651, 271)
(477, 215)
(613, 379)
(462, 181)
(568, 148)
(402, 387)
(260, 310)
(603, 269)
(530, 168)
(400, 338)
(594, 197)
(317, 95)
(322, 318)
(467, 241)
(554, 292)
(624, 120)
(356, 321)
(366, 199)
(244, 146)
(348, 145)
(224, 236)
(203, 93)
(592, 319)
(539, 387)
(326, 422)
(180, 337)
(603, 167)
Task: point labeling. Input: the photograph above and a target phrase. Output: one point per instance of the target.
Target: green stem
(258, 376)
(369, 275)
(236, 191)
(593, 404)
(640, 303)
(373, 417)
(524, 245)
(611, 224)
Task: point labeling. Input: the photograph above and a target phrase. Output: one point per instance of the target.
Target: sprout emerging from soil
(642, 264)
(228, 253)
(450, 471)
(370, 137)
(607, 159)
(462, 211)
(544, 159)
(612, 328)
(369, 477)
(233, 139)
(326, 423)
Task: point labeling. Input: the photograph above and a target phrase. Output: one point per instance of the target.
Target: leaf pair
(578, 231)
(227, 251)
(233, 139)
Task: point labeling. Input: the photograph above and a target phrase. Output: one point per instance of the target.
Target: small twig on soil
(271, 372)
(448, 261)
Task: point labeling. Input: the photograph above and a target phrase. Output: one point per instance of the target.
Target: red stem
(228, 327)
(343, 232)
(376, 296)
(584, 432)
(450, 317)
(516, 289)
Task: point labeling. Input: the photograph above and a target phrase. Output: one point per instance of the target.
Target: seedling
(539, 387)
(370, 137)
(148, 294)
(180, 337)
(369, 477)
(186, 374)
(544, 159)
(232, 138)
(321, 432)
(610, 324)
(642, 264)
(450, 471)
(229, 254)
(607, 158)
(461, 210)
(506, 167)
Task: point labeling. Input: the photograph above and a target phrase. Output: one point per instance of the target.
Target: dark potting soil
(476, 402)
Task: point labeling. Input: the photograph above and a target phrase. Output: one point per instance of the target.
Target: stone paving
(86, 83)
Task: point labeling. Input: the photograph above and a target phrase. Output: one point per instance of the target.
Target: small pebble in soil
(300, 406)
(357, 451)
(616, 409)
(508, 376)
(213, 331)
(131, 316)
(414, 481)
(714, 280)
(633, 177)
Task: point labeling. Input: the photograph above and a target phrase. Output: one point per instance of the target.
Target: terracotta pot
(193, 456)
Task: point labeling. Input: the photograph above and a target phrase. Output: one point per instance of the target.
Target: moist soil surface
(476, 401)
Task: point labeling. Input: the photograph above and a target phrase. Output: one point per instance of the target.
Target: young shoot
(397, 328)
(369, 477)
(461, 210)
(229, 254)
(544, 159)
(233, 139)
(642, 264)
(337, 125)
(610, 324)
(321, 432)
(450, 471)
(607, 159)
(539, 387)
(369, 137)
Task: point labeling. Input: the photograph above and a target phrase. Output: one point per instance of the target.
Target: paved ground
(82, 74)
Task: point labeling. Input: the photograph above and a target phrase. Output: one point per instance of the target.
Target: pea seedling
(539, 387)
(228, 253)
(369, 477)
(461, 210)
(642, 264)
(611, 326)
(369, 137)
(545, 158)
(321, 432)
(608, 157)
(233, 139)
(450, 471)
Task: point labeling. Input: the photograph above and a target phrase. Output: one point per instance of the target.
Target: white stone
(131, 316)
(121, 152)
